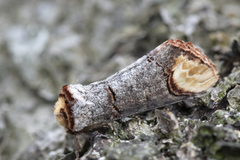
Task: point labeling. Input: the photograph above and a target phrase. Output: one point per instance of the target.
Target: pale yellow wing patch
(191, 76)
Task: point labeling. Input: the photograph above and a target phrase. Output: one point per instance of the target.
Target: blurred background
(45, 44)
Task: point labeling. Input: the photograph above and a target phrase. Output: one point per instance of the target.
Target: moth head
(193, 72)
(59, 112)
(71, 109)
(62, 109)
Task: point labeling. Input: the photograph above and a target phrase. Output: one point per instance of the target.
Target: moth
(172, 72)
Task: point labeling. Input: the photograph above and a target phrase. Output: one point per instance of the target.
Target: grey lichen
(233, 97)
(221, 117)
(218, 142)
(220, 91)
(62, 42)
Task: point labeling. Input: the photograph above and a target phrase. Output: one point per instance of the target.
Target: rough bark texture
(45, 44)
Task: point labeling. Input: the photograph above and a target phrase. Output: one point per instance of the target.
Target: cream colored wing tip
(191, 75)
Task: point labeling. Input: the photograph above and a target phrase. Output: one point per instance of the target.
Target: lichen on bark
(65, 42)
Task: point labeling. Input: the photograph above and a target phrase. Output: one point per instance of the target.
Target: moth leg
(80, 141)
(166, 121)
